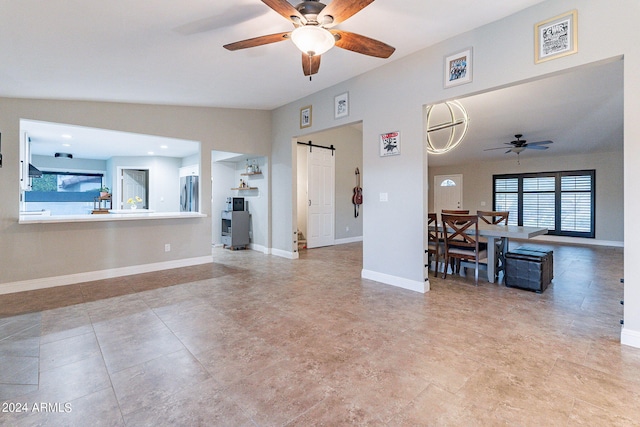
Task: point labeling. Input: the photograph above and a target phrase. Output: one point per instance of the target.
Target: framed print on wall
(389, 144)
(458, 68)
(305, 117)
(341, 105)
(556, 37)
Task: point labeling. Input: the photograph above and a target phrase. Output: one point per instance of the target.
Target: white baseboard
(259, 248)
(630, 337)
(70, 279)
(347, 240)
(400, 282)
(284, 254)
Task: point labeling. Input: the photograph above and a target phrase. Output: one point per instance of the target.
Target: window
(447, 183)
(563, 202)
(64, 187)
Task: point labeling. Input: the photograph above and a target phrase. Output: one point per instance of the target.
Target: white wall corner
(284, 254)
(400, 282)
(630, 337)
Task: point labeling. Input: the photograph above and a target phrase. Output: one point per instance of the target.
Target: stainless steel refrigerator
(189, 193)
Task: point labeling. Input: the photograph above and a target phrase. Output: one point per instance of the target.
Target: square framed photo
(341, 105)
(305, 117)
(458, 68)
(556, 37)
(389, 144)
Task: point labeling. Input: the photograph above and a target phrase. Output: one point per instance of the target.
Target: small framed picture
(458, 68)
(389, 144)
(305, 117)
(556, 37)
(341, 105)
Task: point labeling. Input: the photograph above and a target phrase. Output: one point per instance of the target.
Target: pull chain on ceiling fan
(314, 33)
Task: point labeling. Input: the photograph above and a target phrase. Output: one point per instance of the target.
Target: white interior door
(321, 191)
(447, 192)
(134, 183)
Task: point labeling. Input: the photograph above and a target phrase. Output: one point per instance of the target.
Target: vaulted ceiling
(170, 52)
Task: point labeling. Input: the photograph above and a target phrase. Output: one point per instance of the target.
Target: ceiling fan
(314, 33)
(519, 145)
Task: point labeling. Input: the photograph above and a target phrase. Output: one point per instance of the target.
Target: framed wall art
(556, 37)
(389, 144)
(305, 117)
(458, 68)
(341, 105)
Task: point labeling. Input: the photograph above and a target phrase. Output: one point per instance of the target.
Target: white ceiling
(170, 52)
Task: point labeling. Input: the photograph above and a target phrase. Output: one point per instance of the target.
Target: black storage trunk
(529, 268)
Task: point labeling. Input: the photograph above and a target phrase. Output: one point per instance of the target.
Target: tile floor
(256, 340)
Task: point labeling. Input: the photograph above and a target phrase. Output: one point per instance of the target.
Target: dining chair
(502, 244)
(456, 211)
(435, 243)
(460, 241)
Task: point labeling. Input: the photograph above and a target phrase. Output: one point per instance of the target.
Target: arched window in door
(447, 183)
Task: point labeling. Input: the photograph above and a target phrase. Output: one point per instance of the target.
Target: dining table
(495, 232)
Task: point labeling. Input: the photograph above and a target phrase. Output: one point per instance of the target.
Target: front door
(447, 192)
(321, 191)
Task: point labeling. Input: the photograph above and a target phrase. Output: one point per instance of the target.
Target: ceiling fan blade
(536, 147)
(284, 8)
(340, 10)
(361, 44)
(508, 151)
(490, 149)
(258, 41)
(310, 64)
(539, 143)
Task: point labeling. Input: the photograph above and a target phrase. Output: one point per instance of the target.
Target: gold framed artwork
(556, 37)
(305, 117)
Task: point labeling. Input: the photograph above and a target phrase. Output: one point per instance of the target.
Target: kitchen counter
(140, 214)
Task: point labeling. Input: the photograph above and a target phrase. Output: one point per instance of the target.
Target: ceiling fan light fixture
(518, 150)
(312, 40)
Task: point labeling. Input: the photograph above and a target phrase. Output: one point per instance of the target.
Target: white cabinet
(193, 170)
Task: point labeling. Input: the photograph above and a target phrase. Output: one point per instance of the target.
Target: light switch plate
(384, 197)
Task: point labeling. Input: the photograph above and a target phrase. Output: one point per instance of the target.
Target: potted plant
(104, 191)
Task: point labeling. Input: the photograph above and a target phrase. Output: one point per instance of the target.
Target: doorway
(348, 155)
(134, 185)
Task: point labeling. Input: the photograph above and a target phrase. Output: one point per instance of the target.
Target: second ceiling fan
(314, 33)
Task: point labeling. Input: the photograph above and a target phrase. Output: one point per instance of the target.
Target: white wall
(164, 180)
(392, 97)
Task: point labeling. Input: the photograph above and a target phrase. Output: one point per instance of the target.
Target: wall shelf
(251, 173)
(245, 188)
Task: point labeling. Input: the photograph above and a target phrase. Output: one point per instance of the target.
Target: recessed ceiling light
(150, 152)
(164, 146)
(66, 136)
(66, 145)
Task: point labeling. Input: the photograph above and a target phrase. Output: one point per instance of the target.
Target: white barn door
(321, 190)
